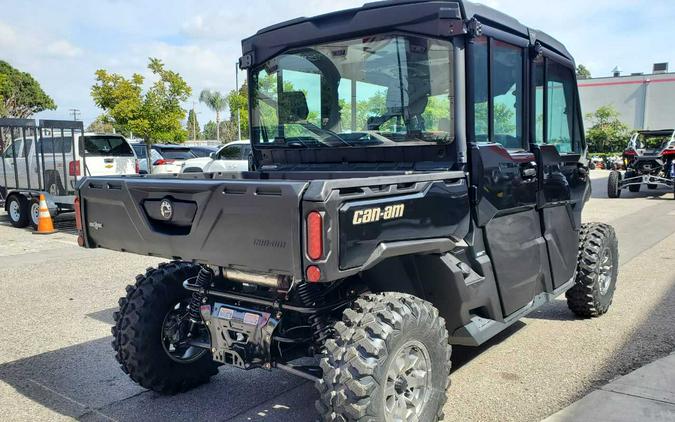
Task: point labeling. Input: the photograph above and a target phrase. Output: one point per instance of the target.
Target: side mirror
(212, 155)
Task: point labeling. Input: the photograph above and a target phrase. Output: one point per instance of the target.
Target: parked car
(166, 159)
(231, 157)
(203, 151)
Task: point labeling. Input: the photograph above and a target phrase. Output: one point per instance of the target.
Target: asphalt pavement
(57, 301)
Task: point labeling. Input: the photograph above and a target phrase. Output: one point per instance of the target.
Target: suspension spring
(310, 295)
(204, 281)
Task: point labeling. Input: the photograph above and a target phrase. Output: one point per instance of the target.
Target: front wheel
(151, 336)
(613, 190)
(389, 360)
(597, 271)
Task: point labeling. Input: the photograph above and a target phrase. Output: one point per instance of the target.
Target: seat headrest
(293, 107)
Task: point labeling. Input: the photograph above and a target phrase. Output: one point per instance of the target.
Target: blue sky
(62, 43)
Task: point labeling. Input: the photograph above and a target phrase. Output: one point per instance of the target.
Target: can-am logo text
(373, 215)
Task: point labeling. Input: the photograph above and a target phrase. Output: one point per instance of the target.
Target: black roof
(660, 132)
(412, 15)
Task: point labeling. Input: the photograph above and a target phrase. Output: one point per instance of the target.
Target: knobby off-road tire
(597, 271)
(632, 188)
(137, 334)
(367, 348)
(613, 190)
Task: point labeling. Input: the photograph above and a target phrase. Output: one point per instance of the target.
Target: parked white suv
(231, 157)
(64, 159)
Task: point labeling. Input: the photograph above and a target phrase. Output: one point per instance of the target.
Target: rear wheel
(597, 270)
(18, 211)
(388, 361)
(632, 188)
(613, 190)
(34, 213)
(151, 332)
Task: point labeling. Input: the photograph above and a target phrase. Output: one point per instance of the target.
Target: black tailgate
(252, 225)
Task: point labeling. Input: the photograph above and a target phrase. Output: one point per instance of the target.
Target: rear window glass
(55, 145)
(177, 154)
(106, 146)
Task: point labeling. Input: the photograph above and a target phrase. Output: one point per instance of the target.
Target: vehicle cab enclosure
(427, 147)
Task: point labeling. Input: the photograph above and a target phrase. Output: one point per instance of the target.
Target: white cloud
(63, 48)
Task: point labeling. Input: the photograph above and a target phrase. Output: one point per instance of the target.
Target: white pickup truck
(54, 164)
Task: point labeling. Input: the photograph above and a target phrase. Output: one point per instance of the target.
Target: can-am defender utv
(419, 174)
(649, 159)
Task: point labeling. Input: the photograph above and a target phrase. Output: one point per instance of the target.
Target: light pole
(236, 89)
(194, 122)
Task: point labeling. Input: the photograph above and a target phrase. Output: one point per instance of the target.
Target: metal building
(644, 101)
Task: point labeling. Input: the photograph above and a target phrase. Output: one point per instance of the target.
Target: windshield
(385, 90)
(647, 141)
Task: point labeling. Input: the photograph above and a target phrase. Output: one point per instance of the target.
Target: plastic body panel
(440, 210)
(248, 225)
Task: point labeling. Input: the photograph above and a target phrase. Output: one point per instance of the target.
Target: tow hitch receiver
(239, 337)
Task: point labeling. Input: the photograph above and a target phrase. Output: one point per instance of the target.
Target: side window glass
(231, 153)
(480, 89)
(561, 107)
(507, 91)
(539, 101)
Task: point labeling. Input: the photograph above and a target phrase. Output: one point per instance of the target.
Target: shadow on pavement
(85, 382)
(462, 355)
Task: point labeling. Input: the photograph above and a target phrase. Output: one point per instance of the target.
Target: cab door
(504, 173)
(558, 144)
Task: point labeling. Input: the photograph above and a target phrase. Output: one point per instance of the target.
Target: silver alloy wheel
(35, 212)
(605, 271)
(15, 210)
(407, 387)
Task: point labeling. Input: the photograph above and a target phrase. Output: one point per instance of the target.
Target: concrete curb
(647, 394)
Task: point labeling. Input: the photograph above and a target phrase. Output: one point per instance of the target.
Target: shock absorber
(310, 295)
(204, 281)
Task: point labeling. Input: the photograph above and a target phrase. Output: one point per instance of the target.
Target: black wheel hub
(178, 332)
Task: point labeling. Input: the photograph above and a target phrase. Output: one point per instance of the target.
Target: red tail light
(314, 235)
(630, 153)
(74, 168)
(138, 167)
(162, 161)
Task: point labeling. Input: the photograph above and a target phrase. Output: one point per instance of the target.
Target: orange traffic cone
(45, 224)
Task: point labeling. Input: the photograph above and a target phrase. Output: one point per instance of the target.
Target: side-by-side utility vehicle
(649, 160)
(418, 177)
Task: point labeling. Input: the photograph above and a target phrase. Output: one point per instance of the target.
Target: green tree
(20, 94)
(192, 126)
(607, 133)
(583, 72)
(237, 101)
(155, 115)
(102, 124)
(210, 130)
(217, 102)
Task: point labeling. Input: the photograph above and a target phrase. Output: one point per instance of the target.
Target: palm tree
(216, 102)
